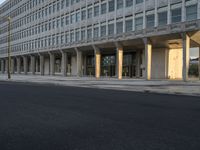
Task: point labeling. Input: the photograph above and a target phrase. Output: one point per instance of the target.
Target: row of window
(54, 7)
(121, 26)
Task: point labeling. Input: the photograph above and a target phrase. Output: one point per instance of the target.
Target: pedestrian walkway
(139, 85)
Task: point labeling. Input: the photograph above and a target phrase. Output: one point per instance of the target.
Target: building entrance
(108, 66)
(129, 65)
(90, 66)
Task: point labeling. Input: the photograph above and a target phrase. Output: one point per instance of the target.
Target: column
(6, 65)
(119, 62)
(52, 64)
(97, 62)
(186, 56)
(79, 62)
(33, 64)
(64, 63)
(138, 60)
(18, 65)
(25, 61)
(12, 66)
(2, 66)
(148, 58)
(41, 65)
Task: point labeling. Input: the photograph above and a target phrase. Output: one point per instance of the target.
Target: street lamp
(9, 41)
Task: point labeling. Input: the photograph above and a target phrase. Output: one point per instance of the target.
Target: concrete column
(18, 65)
(2, 66)
(36, 65)
(79, 62)
(33, 64)
(97, 63)
(6, 65)
(148, 58)
(138, 53)
(12, 66)
(64, 64)
(119, 62)
(25, 61)
(186, 56)
(52, 64)
(42, 65)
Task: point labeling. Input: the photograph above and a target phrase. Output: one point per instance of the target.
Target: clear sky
(1, 1)
(193, 52)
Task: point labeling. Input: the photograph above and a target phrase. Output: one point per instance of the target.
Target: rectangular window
(77, 36)
(150, 21)
(119, 27)
(138, 1)
(111, 5)
(129, 25)
(96, 32)
(96, 11)
(139, 23)
(119, 4)
(162, 18)
(129, 3)
(103, 30)
(89, 13)
(103, 8)
(89, 34)
(176, 15)
(78, 16)
(110, 29)
(83, 15)
(191, 12)
(83, 35)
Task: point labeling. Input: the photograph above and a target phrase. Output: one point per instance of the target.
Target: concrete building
(103, 38)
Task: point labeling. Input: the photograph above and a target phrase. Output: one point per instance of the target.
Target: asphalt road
(47, 117)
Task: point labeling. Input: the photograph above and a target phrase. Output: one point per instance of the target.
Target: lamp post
(9, 40)
(9, 46)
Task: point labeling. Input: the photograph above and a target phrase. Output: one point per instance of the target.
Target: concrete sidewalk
(191, 88)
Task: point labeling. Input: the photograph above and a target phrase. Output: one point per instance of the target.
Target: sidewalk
(158, 86)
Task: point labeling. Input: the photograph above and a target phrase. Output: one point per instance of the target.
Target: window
(176, 15)
(72, 37)
(111, 5)
(139, 23)
(110, 29)
(150, 21)
(119, 4)
(67, 20)
(119, 27)
(89, 34)
(78, 16)
(96, 32)
(72, 18)
(83, 35)
(129, 25)
(191, 12)
(103, 30)
(77, 36)
(162, 18)
(89, 13)
(129, 3)
(138, 1)
(96, 11)
(103, 8)
(83, 15)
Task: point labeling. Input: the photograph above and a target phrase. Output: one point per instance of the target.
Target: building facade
(103, 38)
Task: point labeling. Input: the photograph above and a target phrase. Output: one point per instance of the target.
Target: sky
(193, 52)
(1, 1)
